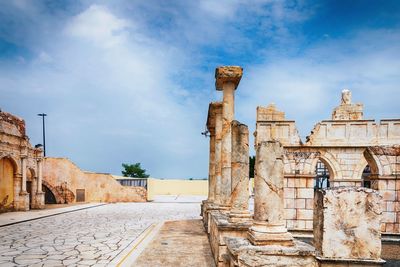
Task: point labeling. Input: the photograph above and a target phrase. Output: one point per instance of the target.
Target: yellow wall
(176, 187)
(6, 181)
(180, 187)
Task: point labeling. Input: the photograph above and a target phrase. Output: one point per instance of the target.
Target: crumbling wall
(99, 187)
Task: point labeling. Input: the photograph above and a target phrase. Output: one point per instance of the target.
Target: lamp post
(44, 133)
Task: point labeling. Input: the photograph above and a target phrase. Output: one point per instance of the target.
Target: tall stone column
(40, 175)
(227, 80)
(218, 163)
(23, 182)
(211, 169)
(240, 173)
(269, 222)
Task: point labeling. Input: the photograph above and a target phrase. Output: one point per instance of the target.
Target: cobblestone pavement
(92, 237)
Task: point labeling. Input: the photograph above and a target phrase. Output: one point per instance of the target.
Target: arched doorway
(49, 197)
(366, 182)
(321, 175)
(6, 182)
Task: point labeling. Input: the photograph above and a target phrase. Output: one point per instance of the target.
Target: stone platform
(220, 227)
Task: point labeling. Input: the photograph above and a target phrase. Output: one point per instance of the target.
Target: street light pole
(44, 133)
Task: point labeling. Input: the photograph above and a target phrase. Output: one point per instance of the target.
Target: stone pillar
(218, 150)
(211, 169)
(347, 226)
(23, 182)
(240, 173)
(40, 175)
(269, 223)
(227, 80)
(23, 200)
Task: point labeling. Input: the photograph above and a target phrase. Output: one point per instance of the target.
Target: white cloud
(98, 25)
(308, 87)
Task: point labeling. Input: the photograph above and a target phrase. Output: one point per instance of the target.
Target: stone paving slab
(89, 237)
(22, 216)
(178, 244)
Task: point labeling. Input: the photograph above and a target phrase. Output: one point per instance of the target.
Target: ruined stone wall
(22, 162)
(62, 173)
(345, 147)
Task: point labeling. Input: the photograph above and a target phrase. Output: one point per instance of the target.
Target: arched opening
(49, 197)
(372, 171)
(321, 175)
(366, 182)
(7, 171)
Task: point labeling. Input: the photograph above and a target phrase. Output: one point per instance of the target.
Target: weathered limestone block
(269, 221)
(226, 74)
(347, 225)
(240, 173)
(242, 253)
(270, 113)
(347, 110)
(221, 227)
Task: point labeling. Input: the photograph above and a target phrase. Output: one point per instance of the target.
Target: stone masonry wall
(98, 187)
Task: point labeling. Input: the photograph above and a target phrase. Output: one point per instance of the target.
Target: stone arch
(14, 162)
(330, 162)
(374, 162)
(7, 182)
(59, 198)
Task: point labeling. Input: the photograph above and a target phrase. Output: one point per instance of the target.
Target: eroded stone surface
(242, 253)
(347, 110)
(240, 172)
(225, 74)
(347, 223)
(269, 222)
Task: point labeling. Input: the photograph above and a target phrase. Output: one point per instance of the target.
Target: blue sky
(130, 81)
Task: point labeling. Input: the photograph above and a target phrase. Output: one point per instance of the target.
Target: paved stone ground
(91, 237)
(178, 244)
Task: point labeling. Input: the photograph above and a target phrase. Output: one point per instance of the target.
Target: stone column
(269, 223)
(240, 173)
(227, 80)
(23, 182)
(211, 169)
(40, 175)
(218, 165)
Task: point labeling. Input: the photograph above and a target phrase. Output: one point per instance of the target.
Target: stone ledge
(237, 245)
(221, 219)
(242, 253)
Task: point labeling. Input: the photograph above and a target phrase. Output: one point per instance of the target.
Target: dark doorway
(49, 197)
(366, 177)
(80, 195)
(29, 190)
(321, 176)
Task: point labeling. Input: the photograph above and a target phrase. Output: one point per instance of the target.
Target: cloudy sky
(130, 81)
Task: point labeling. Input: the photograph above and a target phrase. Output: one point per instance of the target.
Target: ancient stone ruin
(341, 185)
(29, 181)
(20, 167)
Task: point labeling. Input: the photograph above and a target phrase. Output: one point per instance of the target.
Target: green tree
(252, 161)
(134, 170)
